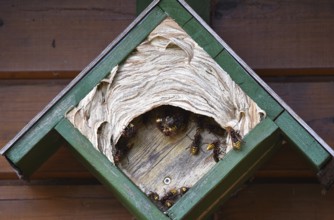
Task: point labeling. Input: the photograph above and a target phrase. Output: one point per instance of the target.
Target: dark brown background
(44, 44)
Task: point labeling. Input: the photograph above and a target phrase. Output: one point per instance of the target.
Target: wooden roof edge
(259, 80)
(77, 78)
(326, 174)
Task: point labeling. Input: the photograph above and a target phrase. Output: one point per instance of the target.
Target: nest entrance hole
(160, 162)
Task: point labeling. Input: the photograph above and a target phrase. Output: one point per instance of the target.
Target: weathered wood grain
(279, 201)
(284, 35)
(21, 100)
(287, 165)
(312, 101)
(287, 201)
(59, 202)
(155, 157)
(44, 36)
(278, 34)
(227, 176)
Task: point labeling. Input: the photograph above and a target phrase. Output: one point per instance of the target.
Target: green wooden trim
(202, 8)
(131, 197)
(141, 5)
(249, 85)
(229, 173)
(22, 149)
(42, 151)
(176, 11)
(203, 37)
(299, 137)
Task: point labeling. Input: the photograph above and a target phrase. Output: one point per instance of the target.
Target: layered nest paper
(168, 68)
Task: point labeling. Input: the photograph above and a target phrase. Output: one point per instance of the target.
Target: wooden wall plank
(278, 201)
(287, 201)
(285, 35)
(22, 100)
(59, 202)
(312, 102)
(287, 165)
(278, 34)
(45, 35)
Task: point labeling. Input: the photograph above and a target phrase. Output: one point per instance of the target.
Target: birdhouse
(169, 118)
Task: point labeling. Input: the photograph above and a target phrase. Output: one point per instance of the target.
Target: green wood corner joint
(25, 152)
(249, 85)
(217, 185)
(176, 11)
(136, 201)
(300, 138)
(203, 37)
(26, 163)
(172, 8)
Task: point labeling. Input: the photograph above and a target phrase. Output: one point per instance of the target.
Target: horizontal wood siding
(52, 41)
(50, 37)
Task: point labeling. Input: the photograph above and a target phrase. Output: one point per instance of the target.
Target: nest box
(169, 118)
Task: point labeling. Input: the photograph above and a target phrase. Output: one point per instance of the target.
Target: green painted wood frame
(229, 173)
(309, 147)
(46, 132)
(202, 7)
(28, 147)
(202, 199)
(108, 174)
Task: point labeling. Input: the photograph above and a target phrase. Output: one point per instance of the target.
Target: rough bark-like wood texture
(283, 35)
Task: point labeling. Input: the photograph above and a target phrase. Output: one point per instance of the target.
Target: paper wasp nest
(168, 68)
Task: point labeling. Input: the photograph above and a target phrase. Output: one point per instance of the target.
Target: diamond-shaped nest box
(169, 118)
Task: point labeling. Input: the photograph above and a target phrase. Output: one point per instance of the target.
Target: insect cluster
(168, 200)
(124, 146)
(173, 123)
(172, 120)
